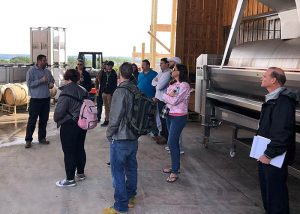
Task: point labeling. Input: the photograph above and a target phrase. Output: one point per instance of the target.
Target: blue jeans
(180, 143)
(175, 126)
(124, 171)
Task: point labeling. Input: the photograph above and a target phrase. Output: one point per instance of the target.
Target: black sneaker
(66, 183)
(105, 123)
(44, 141)
(28, 144)
(108, 164)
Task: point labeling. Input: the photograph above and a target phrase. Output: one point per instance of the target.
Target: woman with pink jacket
(176, 99)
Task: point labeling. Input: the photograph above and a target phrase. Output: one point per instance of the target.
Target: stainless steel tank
(233, 94)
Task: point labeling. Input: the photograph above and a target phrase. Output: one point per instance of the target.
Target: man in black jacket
(124, 144)
(85, 77)
(108, 85)
(99, 92)
(277, 123)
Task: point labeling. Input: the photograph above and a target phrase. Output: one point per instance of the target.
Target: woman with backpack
(72, 136)
(176, 99)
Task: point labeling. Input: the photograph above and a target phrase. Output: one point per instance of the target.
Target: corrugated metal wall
(203, 26)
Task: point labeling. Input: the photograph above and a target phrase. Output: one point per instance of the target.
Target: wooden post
(173, 28)
(143, 51)
(154, 28)
(134, 53)
(153, 31)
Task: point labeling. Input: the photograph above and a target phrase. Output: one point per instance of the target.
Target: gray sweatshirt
(36, 86)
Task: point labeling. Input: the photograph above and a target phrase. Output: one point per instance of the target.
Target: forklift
(96, 57)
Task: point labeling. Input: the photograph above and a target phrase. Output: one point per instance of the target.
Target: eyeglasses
(79, 64)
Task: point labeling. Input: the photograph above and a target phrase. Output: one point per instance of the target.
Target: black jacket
(277, 122)
(120, 112)
(86, 81)
(67, 105)
(109, 81)
(134, 77)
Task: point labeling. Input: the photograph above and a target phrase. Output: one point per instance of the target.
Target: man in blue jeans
(124, 144)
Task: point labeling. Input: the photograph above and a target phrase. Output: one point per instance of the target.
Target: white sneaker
(167, 148)
(181, 152)
(66, 183)
(80, 177)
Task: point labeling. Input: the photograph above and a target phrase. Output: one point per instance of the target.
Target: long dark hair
(134, 65)
(183, 74)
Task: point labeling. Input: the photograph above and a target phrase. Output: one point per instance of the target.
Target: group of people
(105, 84)
(170, 90)
(173, 91)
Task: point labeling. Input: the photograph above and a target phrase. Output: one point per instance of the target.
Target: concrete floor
(210, 181)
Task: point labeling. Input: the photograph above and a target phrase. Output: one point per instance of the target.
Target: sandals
(172, 178)
(168, 171)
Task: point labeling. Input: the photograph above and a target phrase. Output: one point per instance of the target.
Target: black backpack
(142, 121)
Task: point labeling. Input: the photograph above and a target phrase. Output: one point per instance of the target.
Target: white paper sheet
(259, 145)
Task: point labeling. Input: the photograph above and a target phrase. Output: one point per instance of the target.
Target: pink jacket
(179, 103)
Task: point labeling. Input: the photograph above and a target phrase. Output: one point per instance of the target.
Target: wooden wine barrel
(53, 91)
(1, 86)
(2, 90)
(16, 94)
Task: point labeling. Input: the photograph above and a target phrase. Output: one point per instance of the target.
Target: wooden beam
(148, 55)
(163, 27)
(160, 42)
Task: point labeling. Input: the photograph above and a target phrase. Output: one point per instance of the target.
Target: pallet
(13, 109)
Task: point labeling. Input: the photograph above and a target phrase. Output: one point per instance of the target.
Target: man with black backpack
(124, 143)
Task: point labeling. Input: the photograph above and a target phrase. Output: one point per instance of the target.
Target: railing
(262, 27)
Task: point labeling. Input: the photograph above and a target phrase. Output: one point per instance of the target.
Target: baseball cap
(175, 59)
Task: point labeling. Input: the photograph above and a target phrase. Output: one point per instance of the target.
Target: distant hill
(10, 56)
(72, 60)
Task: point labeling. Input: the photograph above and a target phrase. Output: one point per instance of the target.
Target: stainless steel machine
(228, 87)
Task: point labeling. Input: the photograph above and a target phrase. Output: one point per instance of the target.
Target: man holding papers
(277, 123)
